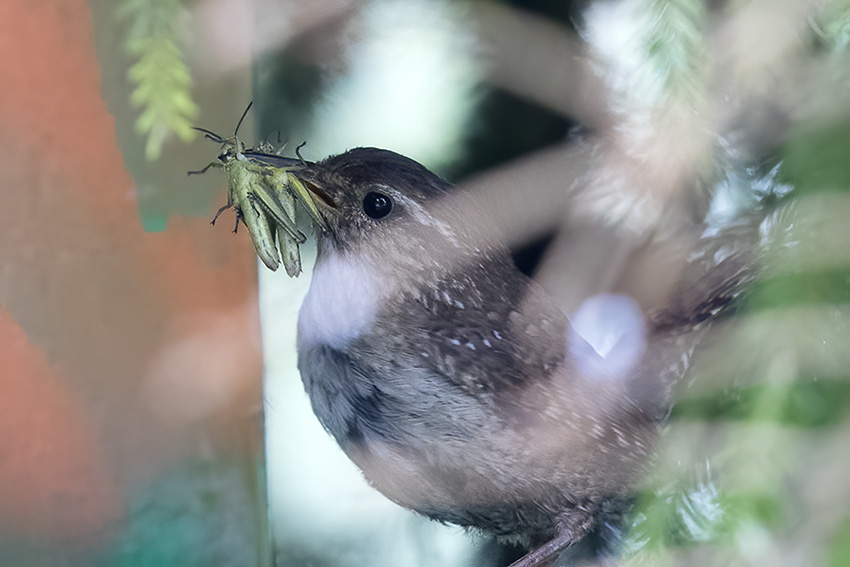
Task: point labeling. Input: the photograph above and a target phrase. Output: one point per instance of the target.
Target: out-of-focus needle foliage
(155, 36)
(675, 45)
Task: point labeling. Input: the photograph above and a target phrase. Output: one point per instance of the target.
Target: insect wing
(300, 191)
(273, 197)
(256, 155)
(289, 252)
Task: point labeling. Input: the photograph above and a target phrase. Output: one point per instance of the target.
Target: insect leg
(218, 213)
(298, 153)
(243, 187)
(204, 170)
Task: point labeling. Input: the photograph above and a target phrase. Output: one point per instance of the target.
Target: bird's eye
(377, 205)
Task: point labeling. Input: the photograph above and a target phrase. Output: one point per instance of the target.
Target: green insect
(262, 189)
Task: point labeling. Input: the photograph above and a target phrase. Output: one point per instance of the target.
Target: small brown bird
(457, 384)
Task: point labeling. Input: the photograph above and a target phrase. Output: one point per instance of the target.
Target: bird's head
(379, 206)
(367, 191)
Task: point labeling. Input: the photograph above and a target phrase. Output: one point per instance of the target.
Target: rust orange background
(101, 323)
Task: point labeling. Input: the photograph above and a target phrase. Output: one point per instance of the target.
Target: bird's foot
(569, 533)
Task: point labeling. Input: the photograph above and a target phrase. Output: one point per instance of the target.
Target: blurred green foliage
(810, 286)
(155, 37)
(840, 552)
(836, 27)
(816, 156)
(809, 402)
(763, 420)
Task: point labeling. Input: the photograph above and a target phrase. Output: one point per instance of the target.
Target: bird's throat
(342, 302)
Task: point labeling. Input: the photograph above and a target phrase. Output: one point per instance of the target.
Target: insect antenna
(244, 114)
(209, 134)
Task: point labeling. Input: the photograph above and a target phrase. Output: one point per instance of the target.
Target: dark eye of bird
(377, 205)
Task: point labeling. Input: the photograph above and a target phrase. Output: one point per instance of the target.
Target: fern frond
(155, 37)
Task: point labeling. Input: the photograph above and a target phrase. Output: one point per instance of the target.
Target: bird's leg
(544, 554)
(568, 534)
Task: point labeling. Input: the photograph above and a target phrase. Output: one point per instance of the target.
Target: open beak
(315, 201)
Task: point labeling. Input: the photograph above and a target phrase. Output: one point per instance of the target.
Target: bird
(456, 383)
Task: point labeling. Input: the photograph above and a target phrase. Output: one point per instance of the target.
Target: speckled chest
(382, 360)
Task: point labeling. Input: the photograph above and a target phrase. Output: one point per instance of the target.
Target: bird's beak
(295, 176)
(316, 201)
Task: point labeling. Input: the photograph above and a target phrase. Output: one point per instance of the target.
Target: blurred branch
(540, 61)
